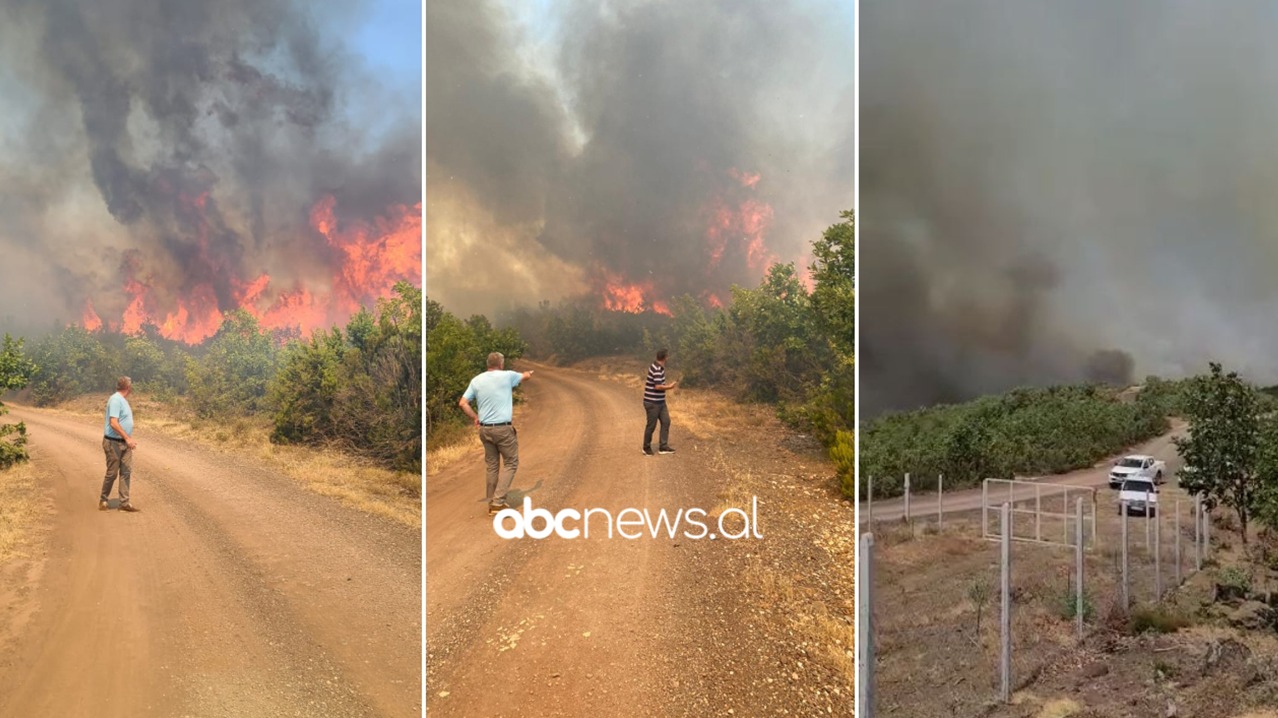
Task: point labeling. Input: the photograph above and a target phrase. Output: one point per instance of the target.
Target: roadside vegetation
(352, 393)
(1023, 432)
(15, 372)
(779, 343)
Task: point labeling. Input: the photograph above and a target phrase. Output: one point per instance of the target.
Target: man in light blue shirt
(118, 444)
(493, 392)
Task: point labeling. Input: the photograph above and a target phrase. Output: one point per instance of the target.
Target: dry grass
(807, 612)
(395, 495)
(809, 617)
(19, 510)
(451, 452)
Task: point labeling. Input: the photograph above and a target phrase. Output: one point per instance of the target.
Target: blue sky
(391, 41)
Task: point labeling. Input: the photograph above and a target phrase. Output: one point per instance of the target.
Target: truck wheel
(1158, 478)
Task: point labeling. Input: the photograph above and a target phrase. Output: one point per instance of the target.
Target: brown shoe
(495, 507)
(103, 506)
(130, 508)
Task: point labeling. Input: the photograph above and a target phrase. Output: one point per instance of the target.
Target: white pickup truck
(1140, 494)
(1136, 466)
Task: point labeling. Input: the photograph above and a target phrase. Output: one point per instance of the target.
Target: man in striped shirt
(654, 403)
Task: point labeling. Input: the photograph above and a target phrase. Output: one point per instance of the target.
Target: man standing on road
(118, 443)
(654, 404)
(494, 392)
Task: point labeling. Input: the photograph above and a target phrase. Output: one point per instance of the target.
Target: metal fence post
(1126, 594)
(985, 508)
(1093, 517)
(865, 628)
(907, 498)
(1158, 555)
(1078, 557)
(1198, 532)
(1038, 512)
(1005, 691)
(869, 501)
(1206, 533)
(940, 504)
(1146, 521)
(1178, 541)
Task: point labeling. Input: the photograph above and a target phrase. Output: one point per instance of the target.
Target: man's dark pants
(656, 412)
(119, 462)
(501, 446)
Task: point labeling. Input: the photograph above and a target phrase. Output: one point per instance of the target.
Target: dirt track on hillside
(645, 627)
(234, 592)
(924, 504)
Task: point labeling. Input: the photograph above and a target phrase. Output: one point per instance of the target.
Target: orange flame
(743, 223)
(372, 258)
(89, 319)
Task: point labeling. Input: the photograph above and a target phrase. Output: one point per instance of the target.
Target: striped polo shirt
(656, 377)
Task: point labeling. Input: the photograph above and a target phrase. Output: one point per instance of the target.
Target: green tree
(834, 274)
(15, 372)
(1223, 445)
(71, 362)
(773, 329)
(232, 375)
(359, 390)
(303, 392)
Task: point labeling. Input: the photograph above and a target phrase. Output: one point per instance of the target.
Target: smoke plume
(631, 151)
(1063, 192)
(167, 161)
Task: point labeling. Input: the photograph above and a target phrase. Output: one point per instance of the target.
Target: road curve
(924, 504)
(234, 592)
(582, 627)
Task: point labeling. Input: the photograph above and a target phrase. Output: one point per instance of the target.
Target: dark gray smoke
(1062, 192)
(182, 143)
(604, 139)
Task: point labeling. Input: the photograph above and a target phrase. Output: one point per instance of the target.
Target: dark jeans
(656, 412)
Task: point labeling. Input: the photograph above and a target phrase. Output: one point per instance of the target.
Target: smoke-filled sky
(166, 161)
(1057, 191)
(630, 151)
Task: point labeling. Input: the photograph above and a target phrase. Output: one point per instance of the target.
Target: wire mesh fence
(1077, 563)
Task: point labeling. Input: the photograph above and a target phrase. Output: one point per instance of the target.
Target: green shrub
(1235, 577)
(1025, 431)
(230, 377)
(359, 390)
(1067, 605)
(15, 372)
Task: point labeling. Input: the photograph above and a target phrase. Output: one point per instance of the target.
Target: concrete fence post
(1078, 571)
(907, 498)
(1005, 690)
(865, 628)
(1126, 593)
(869, 502)
(940, 502)
(1158, 556)
(1178, 576)
(1198, 532)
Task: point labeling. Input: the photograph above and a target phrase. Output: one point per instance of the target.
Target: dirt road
(234, 592)
(609, 627)
(924, 504)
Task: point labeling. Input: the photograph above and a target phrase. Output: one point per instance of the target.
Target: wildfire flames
(368, 259)
(632, 297)
(735, 225)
